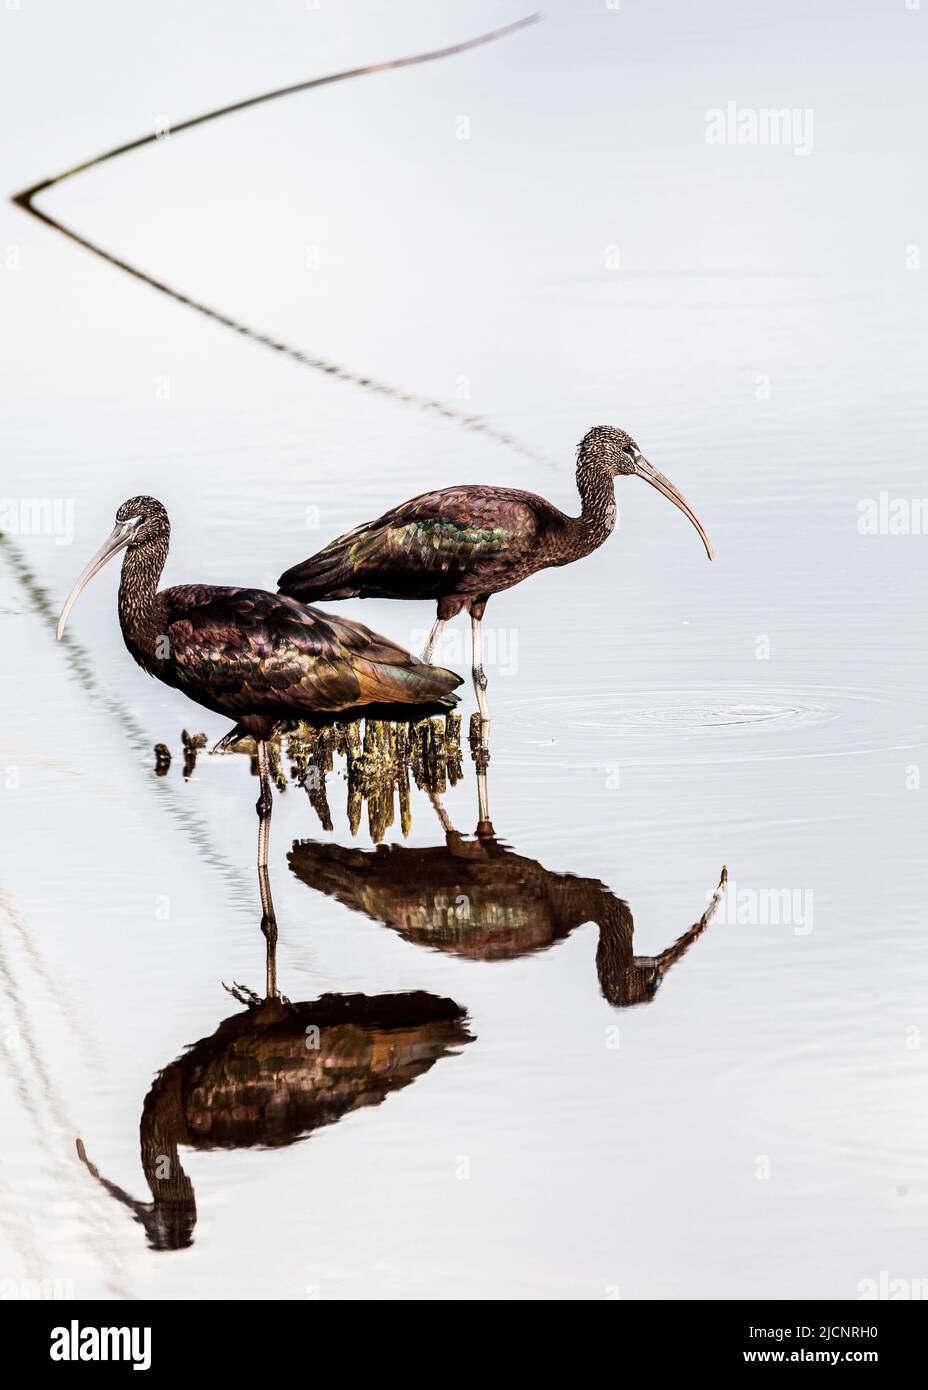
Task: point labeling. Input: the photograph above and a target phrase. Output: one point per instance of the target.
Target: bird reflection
(476, 897)
(275, 1074)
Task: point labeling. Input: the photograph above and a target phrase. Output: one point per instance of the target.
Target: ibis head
(138, 522)
(616, 452)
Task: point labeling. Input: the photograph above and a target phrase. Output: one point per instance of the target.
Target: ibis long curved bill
(646, 470)
(120, 537)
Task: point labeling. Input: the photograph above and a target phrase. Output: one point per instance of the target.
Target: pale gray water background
(760, 1130)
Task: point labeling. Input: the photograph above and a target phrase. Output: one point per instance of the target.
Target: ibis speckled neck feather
(142, 611)
(598, 515)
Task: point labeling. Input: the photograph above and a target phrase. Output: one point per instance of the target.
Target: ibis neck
(598, 512)
(141, 614)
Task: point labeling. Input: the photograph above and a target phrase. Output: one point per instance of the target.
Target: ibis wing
(247, 651)
(233, 648)
(423, 547)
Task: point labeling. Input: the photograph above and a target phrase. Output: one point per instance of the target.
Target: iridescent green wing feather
(441, 531)
(422, 547)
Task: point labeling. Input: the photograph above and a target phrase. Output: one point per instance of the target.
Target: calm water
(512, 1125)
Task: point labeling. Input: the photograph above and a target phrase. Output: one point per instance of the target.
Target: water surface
(754, 1124)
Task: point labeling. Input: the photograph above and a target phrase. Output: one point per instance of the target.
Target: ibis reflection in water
(460, 545)
(262, 659)
(478, 899)
(279, 1071)
(275, 1074)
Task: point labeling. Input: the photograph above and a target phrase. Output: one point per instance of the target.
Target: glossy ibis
(262, 659)
(460, 545)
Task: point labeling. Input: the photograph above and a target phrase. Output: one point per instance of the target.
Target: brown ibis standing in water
(460, 545)
(262, 659)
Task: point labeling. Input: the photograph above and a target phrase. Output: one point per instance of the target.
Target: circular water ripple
(691, 714)
(824, 721)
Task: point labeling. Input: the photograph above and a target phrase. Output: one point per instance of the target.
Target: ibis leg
(479, 675)
(268, 919)
(484, 824)
(264, 803)
(269, 928)
(441, 813)
(433, 638)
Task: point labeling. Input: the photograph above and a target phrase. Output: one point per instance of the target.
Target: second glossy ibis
(262, 659)
(460, 545)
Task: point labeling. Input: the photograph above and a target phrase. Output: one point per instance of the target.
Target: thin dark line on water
(386, 66)
(25, 200)
(93, 1054)
(45, 1102)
